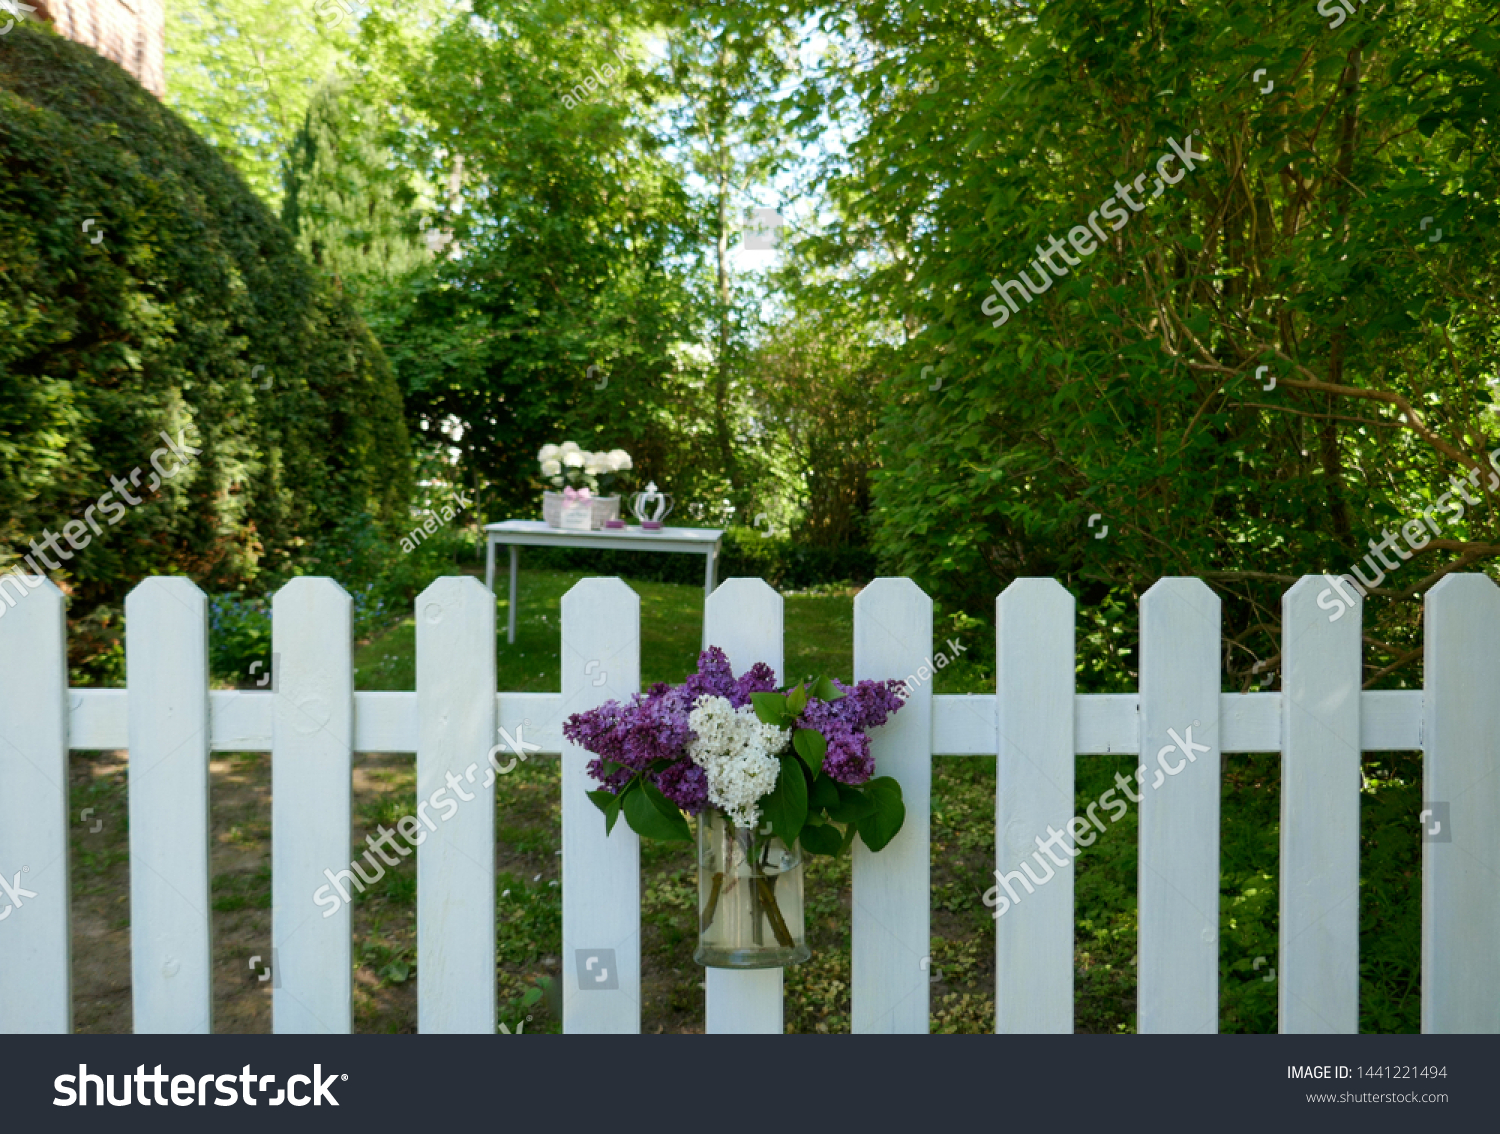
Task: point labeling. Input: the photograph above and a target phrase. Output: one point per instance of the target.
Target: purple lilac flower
(612, 782)
(653, 728)
(686, 785)
(759, 678)
(844, 722)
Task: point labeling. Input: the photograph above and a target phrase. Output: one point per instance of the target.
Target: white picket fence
(1035, 723)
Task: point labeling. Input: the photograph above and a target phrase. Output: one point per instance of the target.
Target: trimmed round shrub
(145, 290)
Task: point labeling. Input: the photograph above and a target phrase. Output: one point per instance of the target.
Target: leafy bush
(363, 557)
(239, 634)
(183, 307)
(786, 562)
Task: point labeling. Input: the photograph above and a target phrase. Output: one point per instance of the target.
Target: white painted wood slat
(601, 661)
(456, 861)
(311, 767)
(166, 665)
(35, 975)
(1461, 780)
(1178, 891)
(743, 617)
(1318, 988)
(1034, 682)
(1104, 723)
(891, 927)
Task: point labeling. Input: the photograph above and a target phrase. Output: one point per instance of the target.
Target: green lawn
(819, 637)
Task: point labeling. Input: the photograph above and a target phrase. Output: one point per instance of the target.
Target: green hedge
(785, 562)
(191, 312)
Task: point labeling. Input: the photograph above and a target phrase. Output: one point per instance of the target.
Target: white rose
(619, 460)
(569, 447)
(549, 452)
(573, 459)
(551, 468)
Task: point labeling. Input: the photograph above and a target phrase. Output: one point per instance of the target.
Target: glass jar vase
(749, 897)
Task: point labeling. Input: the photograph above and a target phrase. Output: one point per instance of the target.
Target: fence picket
(35, 976)
(1321, 722)
(1461, 773)
(166, 667)
(1318, 989)
(456, 861)
(743, 617)
(1178, 881)
(891, 934)
(601, 661)
(311, 767)
(1034, 689)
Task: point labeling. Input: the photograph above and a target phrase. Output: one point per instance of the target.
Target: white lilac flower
(619, 460)
(574, 459)
(548, 453)
(551, 467)
(738, 752)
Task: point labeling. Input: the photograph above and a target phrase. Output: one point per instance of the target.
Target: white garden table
(536, 533)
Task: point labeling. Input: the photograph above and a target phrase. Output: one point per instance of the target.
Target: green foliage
(351, 216)
(1130, 387)
(239, 634)
(242, 72)
(192, 314)
(786, 562)
(568, 228)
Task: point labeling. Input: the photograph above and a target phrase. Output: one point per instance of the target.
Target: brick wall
(128, 31)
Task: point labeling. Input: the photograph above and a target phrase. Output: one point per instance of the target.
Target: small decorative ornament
(651, 507)
(770, 775)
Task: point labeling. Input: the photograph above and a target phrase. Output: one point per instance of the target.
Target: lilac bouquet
(798, 759)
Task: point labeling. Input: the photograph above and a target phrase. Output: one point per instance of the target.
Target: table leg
(708, 588)
(489, 563)
(515, 557)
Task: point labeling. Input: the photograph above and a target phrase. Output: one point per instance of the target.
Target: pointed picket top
(35, 976)
(614, 610)
(892, 942)
(1035, 621)
(166, 675)
(601, 890)
(1178, 880)
(456, 861)
(1318, 963)
(743, 617)
(1461, 807)
(312, 680)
